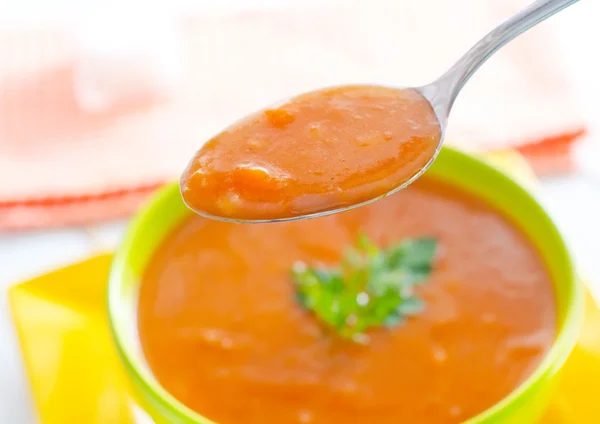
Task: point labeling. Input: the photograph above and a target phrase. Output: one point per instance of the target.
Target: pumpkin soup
(231, 325)
(318, 152)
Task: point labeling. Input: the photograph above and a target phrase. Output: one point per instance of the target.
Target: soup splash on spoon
(333, 149)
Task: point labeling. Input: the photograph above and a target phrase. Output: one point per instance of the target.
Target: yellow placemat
(76, 377)
(74, 372)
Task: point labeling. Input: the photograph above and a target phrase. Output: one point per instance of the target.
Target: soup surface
(222, 331)
(319, 151)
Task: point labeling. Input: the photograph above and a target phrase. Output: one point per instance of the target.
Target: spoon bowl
(315, 153)
(436, 146)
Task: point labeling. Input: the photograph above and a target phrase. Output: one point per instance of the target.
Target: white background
(574, 201)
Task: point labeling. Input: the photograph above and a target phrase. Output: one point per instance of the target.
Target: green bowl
(526, 404)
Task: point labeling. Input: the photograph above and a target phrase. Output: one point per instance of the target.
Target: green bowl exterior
(525, 404)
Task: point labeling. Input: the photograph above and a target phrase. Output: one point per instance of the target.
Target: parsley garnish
(370, 288)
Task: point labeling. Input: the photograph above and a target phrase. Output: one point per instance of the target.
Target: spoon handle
(443, 92)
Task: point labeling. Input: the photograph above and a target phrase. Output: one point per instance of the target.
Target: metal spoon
(442, 92)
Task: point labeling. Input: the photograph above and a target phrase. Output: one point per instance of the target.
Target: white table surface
(574, 202)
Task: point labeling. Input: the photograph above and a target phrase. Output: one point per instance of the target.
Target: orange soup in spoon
(318, 152)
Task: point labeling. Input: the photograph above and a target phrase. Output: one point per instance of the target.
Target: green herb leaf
(371, 287)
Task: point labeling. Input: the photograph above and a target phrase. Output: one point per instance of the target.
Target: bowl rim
(554, 359)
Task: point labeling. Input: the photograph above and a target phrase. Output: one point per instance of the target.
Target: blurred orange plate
(76, 377)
